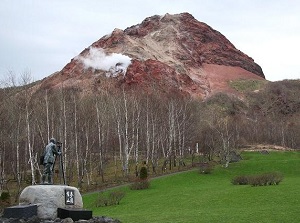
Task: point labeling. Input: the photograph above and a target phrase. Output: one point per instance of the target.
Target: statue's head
(53, 140)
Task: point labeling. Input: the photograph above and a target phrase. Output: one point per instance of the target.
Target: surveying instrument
(62, 178)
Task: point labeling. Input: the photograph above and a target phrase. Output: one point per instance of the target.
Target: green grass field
(192, 197)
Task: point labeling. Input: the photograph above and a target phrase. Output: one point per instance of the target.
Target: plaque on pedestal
(20, 211)
(75, 214)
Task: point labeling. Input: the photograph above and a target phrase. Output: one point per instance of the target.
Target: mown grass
(193, 197)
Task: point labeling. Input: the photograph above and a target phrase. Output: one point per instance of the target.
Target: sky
(42, 36)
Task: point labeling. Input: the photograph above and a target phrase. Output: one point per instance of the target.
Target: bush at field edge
(265, 179)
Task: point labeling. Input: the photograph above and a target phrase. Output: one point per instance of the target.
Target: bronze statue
(51, 151)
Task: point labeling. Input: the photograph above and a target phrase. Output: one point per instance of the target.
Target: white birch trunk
(126, 143)
(147, 133)
(30, 150)
(100, 142)
(118, 122)
(65, 160)
(86, 157)
(76, 140)
(47, 115)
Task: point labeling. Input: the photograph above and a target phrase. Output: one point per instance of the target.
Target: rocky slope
(170, 53)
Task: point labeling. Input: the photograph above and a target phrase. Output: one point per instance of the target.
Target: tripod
(61, 164)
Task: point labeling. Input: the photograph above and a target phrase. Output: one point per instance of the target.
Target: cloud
(113, 64)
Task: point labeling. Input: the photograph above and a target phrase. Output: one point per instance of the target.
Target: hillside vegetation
(245, 85)
(108, 135)
(193, 197)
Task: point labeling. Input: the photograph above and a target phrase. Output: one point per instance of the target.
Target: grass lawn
(192, 197)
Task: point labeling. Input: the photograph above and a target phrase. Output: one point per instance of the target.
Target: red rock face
(213, 48)
(154, 75)
(169, 53)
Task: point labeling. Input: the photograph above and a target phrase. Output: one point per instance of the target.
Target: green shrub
(206, 168)
(5, 196)
(277, 177)
(141, 182)
(240, 180)
(140, 185)
(257, 180)
(113, 198)
(273, 178)
(266, 179)
(143, 173)
(102, 200)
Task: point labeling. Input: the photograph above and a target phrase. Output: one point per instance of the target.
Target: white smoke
(113, 64)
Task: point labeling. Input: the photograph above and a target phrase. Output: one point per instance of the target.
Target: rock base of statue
(49, 198)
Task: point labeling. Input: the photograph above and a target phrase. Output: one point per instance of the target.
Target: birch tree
(101, 115)
(76, 139)
(127, 115)
(26, 79)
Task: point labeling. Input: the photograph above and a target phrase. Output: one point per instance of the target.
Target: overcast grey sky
(44, 35)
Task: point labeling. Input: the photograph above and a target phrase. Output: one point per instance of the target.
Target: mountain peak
(172, 52)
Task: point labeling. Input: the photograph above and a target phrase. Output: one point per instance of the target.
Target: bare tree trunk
(118, 122)
(65, 147)
(2, 169)
(100, 143)
(65, 160)
(135, 138)
(126, 143)
(171, 133)
(87, 173)
(30, 150)
(147, 133)
(76, 141)
(18, 158)
(27, 79)
(155, 144)
(283, 143)
(47, 115)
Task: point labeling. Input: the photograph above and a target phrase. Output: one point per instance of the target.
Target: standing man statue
(49, 159)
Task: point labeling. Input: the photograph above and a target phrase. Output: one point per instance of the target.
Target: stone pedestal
(49, 198)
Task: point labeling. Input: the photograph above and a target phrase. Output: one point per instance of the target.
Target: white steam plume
(114, 63)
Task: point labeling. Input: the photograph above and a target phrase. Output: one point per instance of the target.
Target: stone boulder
(50, 197)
